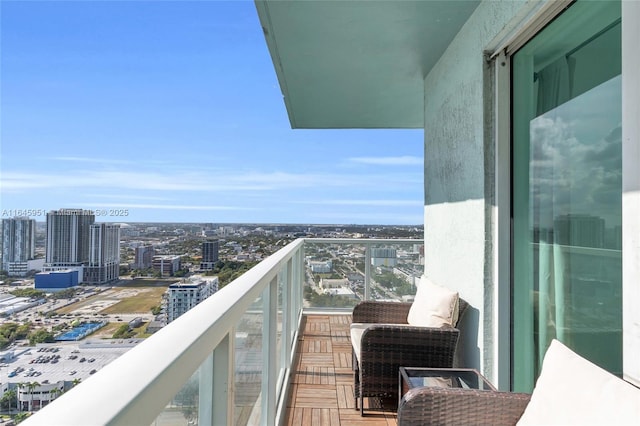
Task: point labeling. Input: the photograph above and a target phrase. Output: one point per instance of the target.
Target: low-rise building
(327, 284)
(321, 267)
(167, 265)
(57, 280)
(185, 294)
(10, 304)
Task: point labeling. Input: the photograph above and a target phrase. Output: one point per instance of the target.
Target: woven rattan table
(454, 397)
(463, 378)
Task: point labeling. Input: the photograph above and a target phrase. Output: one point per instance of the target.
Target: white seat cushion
(433, 306)
(574, 391)
(357, 330)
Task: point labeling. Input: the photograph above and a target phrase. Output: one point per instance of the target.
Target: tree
(23, 331)
(7, 399)
(64, 294)
(30, 387)
(20, 417)
(123, 332)
(57, 391)
(4, 342)
(28, 292)
(20, 385)
(41, 336)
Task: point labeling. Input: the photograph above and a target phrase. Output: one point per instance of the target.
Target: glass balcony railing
(341, 272)
(228, 360)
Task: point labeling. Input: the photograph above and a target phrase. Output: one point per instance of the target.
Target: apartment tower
(18, 244)
(144, 257)
(209, 254)
(68, 232)
(104, 254)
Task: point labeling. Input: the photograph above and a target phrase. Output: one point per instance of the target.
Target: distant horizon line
(257, 223)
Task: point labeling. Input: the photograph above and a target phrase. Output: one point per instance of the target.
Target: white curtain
(552, 85)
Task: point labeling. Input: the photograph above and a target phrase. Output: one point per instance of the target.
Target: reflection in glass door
(567, 191)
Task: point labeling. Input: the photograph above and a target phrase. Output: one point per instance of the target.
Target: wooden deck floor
(322, 380)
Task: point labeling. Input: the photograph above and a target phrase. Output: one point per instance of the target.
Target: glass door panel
(567, 191)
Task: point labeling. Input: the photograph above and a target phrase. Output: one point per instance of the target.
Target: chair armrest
(381, 312)
(405, 345)
(454, 406)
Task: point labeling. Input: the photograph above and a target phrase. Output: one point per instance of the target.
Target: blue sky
(171, 111)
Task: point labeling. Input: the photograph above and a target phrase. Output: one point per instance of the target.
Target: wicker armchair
(455, 406)
(386, 347)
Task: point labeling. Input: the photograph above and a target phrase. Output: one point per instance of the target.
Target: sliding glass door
(567, 190)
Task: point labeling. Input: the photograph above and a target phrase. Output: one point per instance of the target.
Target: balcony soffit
(358, 64)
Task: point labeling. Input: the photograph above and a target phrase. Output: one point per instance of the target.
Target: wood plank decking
(322, 380)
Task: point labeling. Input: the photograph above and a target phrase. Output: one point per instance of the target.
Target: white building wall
(459, 170)
(631, 191)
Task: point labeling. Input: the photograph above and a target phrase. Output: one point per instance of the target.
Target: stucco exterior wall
(459, 170)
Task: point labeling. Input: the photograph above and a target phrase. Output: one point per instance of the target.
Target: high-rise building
(68, 238)
(209, 254)
(186, 294)
(18, 244)
(104, 254)
(144, 257)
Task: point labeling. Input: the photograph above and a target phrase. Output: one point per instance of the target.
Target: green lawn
(140, 303)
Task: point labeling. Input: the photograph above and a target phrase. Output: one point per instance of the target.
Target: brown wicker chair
(385, 348)
(455, 406)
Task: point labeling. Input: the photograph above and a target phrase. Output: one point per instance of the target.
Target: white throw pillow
(574, 391)
(433, 306)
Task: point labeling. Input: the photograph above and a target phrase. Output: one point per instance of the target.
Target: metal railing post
(367, 271)
(287, 319)
(270, 370)
(216, 377)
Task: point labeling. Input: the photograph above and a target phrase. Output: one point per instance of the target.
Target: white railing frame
(136, 387)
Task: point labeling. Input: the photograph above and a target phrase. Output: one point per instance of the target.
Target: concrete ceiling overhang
(358, 64)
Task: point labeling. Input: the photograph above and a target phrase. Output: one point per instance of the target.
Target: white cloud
(162, 206)
(388, 161)
(136, 197)
(90, 160)
(196, 181)
(375, 203)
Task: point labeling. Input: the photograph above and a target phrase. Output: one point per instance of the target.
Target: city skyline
(171, 112)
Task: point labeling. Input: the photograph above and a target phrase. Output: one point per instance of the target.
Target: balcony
(267, 349)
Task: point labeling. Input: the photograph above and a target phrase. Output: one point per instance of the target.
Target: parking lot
(50, 363)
